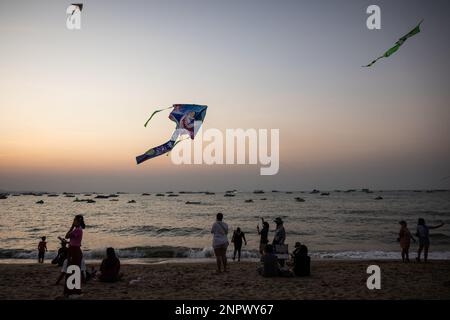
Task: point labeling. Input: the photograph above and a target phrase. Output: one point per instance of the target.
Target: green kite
(400, 41)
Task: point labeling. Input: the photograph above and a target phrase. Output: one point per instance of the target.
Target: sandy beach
(329, 280)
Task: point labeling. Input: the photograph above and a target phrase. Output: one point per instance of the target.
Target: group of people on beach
(272, 263)
(70, 253)
(422, 233)
(275, 260)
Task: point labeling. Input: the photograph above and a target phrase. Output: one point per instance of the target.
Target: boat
(314, 191)
(229, 195)
(379, 198)
(131, 201)
(173, 195)
(145, 194)
(40, 202)
(192, 202)
(325, 194)
(100, 196)
(249, 201)
(258, 191)
(160, 194)
(298, 199)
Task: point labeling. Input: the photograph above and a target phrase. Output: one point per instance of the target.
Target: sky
(73, 102)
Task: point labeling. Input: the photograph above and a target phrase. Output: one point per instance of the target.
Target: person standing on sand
(280, 233)
(42, 247)
(264, 233)
(238, 236)
(404, 237)
(220, 242)
(74, 253)
(423, 234)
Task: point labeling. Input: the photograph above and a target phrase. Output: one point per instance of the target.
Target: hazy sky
(73, 103)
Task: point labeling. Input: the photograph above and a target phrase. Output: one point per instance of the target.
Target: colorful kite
(400, 41)
(79, 6)
(185, 116)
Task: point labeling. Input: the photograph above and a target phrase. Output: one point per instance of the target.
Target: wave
(156, 231)
(132, 253)
(166, 252)
(375, 255)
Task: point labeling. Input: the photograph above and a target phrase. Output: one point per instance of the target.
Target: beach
(330, 279)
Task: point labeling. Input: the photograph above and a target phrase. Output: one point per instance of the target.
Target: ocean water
(342, 225)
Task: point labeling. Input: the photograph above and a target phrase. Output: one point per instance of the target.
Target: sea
(175, 226)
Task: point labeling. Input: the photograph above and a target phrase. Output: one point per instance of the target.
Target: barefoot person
(238, 237)
(220, 242)
(423, 234)
(404, 237)
(74, 254)
(42, 247)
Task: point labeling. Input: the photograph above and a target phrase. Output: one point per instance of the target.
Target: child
(404, 237)
(62, 253)
(42, 247)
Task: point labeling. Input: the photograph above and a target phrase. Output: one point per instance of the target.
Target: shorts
(41, 254)
(424, 242)
(221, 250)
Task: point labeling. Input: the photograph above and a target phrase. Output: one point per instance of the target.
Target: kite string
(155, 112)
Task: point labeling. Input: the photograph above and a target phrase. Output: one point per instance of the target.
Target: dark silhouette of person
(264, 233)
(237, 238)
(302, 262)
(110, 267)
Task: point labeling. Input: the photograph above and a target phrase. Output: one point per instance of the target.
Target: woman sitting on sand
(424, 238)
(110, 267)
(220, 242)
(302, 262)
(74, 253)
(270, 266)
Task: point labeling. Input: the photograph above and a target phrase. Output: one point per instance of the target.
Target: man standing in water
(264, 233)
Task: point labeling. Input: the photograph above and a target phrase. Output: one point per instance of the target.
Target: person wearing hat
(280, 233)
(404, 237)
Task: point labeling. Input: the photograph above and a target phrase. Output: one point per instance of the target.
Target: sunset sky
(73, 103)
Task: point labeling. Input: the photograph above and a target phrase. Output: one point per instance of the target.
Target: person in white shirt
(220, 242)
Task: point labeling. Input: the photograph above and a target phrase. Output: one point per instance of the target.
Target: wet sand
(329, 280)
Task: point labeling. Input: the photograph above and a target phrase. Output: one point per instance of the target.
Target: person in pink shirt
(74, 253)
